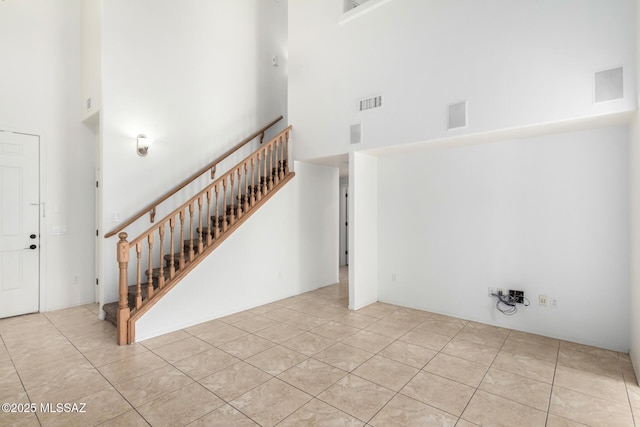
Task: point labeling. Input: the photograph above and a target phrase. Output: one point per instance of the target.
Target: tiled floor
(308, 361)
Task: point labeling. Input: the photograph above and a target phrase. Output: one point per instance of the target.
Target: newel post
(123, 303)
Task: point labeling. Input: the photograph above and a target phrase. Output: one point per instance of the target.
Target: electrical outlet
(543, 300)
(553, 302)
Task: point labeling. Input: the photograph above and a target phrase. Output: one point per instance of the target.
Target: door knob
(33, 236)
(32, 247)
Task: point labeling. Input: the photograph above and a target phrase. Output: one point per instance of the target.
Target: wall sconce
(144, 142)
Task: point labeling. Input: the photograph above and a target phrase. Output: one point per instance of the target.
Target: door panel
(19, 224)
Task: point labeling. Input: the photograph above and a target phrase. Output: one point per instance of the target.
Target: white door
(19, 224)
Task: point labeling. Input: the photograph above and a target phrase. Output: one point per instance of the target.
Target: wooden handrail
(211, 166)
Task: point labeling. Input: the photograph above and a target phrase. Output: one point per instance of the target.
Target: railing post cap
(123, 236)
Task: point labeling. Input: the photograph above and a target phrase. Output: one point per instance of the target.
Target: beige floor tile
(335, 331)
(92, 329)
(282, 314)
(255, 323)
(633, 391)
(224, 416)
(312, 376)
(594, 351)
(70, 389)
(595, 385)
(478, 333)
(127, 369)
(357, 397)
(448, 327)
(129, 419)
(356, 320)
(205, 327)
(182, 349)
(536, 350)
(18, 418)
(426, 339)
(386, 372)
(10, 386)
(389, 328)
(454, 368)
(407, 412)
(343, 356)
(538, 339)
(235, 380)
(112, 352)
(526, 366)
(471, 351)
(407, 317)
(276, 360)
(236, 317)
(378, 310)
(517, 388)
(369, 341)
(205, 363)
(305, 322)
(447, 395)
(596, 362)
(410, 354)
(181, 406)
(589, 410)
(309, 343)
(318, 414)
(246, 346)
(35, 358)
(221, 335)
(99, 407)
(488, 409)
(556, 421)
(271, 402)
(150, 386)
(21, 420)
(279, 333)
(54, 371)
(465, 423)
(165, 339)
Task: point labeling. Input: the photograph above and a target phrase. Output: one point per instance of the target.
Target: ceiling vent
(370, 103)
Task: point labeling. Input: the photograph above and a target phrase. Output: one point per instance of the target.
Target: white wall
(197, 77)
(41, 94)
(516, 63)
(284, 249)
(363, 230)
(634, 161)
(546, 215)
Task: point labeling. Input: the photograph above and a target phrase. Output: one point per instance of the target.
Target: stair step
(111, 312)
(219, 220)
(156, 273)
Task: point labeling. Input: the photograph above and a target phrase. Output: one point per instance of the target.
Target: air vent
(356, 134)
(609, 85)
(457, 115)
(369, 103)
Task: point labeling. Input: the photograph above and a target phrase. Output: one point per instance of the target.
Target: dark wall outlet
(517, 296)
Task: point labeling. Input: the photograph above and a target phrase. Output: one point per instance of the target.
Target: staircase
(173, 246)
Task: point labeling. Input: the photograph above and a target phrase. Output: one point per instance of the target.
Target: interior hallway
(308, 360)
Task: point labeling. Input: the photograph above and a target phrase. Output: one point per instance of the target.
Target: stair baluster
(172, 261)
(200, 240)
(139, 275)
(150, 271)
